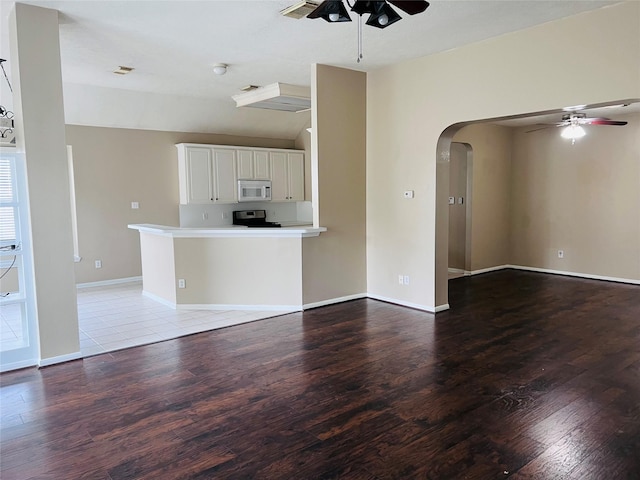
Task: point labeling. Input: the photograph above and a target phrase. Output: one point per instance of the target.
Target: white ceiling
(173, 44)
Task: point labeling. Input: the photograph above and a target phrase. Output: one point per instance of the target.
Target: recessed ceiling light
(123, 70)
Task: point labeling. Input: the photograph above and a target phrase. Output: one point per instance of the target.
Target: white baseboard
(158, 299)
(416, 306)
(221, 306)
(487, 270)
(18, 365)
(442, 308)
(575, 274)
(331, 301)
(456, 270)
(106, 283)
(45, 362)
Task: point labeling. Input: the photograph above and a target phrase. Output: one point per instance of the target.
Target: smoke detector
(300, 9)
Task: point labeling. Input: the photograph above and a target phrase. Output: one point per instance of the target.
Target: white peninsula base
(234, 268)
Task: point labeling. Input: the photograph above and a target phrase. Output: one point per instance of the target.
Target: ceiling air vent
(300, 9)
(277, 96)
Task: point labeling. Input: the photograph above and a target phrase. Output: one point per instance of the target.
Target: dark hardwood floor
(527, 376)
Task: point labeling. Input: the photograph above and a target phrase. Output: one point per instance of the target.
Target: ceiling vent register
(277, 96)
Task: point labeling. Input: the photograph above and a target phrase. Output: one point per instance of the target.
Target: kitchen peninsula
(224, 268)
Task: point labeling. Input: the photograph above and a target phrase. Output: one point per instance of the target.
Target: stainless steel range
(253, 219)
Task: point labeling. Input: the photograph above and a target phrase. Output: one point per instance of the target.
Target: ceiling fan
(381, 14)
(578, 119)
(573, 125)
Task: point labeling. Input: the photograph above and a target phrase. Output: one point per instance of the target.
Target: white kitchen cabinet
(206, 174)
(224, 176)
(287, 176)
(253, 165)
(210, 173)
(195, 175)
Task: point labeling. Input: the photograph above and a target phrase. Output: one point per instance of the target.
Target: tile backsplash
(222, 215)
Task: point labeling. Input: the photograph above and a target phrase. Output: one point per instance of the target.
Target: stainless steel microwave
(254, 190)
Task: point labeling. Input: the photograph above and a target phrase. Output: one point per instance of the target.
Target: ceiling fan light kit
(573, 123)
(381, 13)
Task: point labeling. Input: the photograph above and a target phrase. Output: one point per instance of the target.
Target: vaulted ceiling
(172, 46)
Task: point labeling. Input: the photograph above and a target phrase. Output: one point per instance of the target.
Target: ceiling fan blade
(410, 6)
(330, 8)
(602, 121)
(542, 127)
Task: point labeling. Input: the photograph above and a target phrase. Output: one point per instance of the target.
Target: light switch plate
(408, 194)
(452, 200)
(135, 205)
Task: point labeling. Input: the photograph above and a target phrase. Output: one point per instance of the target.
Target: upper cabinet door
(261, 165)
(198, 178)
(296, 177)
(245, 165)
(279, 177)
(225, 187)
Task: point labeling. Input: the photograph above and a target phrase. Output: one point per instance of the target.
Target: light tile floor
(119, 316)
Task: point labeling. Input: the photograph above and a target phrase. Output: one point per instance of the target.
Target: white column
(39, 115)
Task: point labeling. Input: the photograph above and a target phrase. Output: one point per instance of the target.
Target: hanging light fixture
(6, 116)
(381, 14)
(573, 131)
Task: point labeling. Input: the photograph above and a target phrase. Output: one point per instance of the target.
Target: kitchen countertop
(287, 230)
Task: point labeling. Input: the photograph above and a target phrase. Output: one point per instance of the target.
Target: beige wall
(39, 117)
(239, 271)
(158, 266)
(412, 103)
(458, 174)
(114, 167)
(583, 199)
(303, 142)
(490, 211)
(334, 264)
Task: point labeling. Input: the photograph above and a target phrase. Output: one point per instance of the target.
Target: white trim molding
(487, 270)
(222, 307)
(106, 283)
(45, 362)
(331, 301)
(417, 306)
(158, 299)
(575, 274)
(7, 367)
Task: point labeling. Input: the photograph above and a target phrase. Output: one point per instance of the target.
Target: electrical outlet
(408, 194)
(560, 253)
(182, 283)
(135, 205)
(98, 263)
(225, 215)
(205, 215)
(401, 279)
(406, 279)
